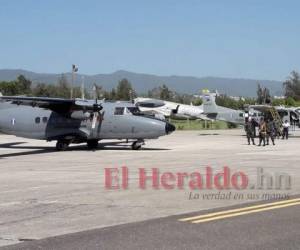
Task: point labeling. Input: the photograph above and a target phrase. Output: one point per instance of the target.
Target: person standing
(271, 131)
(254, 125)
(249, 128)
(262, 132)
(286, 126)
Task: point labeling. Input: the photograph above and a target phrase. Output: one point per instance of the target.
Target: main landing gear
(92, 144)
(137, 145)
(62, 145)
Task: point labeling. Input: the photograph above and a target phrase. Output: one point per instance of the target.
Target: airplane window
(241, 115)
(45, 119)
(37, 120)
(119, 110)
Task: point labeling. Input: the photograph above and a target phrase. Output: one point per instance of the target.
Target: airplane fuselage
(43, 124)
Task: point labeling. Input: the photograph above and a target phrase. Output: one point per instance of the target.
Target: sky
(233, 38)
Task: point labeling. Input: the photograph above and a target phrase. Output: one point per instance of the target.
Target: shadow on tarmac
(35, 150)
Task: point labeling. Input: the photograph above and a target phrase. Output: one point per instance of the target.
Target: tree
(259, 93)
(9, 88)
(124, 90)
(24, 85)
(21, 86)
(197, 101)
(165, 93)
(225, 101)
(290, 101)
(292, 86)
(44, 90)
(113, 94)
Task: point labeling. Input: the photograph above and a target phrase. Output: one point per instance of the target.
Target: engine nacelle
(80, 115)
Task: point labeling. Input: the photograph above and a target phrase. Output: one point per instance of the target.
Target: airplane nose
(169, 128)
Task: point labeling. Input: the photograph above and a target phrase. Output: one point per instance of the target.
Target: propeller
(96, 113)
(97, 107)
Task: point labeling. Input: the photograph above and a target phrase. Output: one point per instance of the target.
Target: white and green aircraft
(169, 109)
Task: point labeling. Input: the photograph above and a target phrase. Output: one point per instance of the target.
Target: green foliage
(21, 86)
(113, 94)
(278, 102)
(165, 93)
(197, 101)
(124, 91)
(292, 86)
(290, 102)
(225, 101)
(198, 124)
(44, 90)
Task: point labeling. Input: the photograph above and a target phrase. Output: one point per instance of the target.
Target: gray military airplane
(78, 121)
(215, 112)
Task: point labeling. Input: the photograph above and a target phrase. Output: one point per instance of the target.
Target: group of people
(267, 130)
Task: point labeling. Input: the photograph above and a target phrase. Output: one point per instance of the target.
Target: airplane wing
(58, 105)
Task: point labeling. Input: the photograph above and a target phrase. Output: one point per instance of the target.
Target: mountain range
(144, 82)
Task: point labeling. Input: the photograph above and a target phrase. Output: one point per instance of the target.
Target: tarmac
(45, 193)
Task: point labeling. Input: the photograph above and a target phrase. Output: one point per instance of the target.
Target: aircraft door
(122, 125)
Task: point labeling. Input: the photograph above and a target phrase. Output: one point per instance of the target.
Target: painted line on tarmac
(241, 211)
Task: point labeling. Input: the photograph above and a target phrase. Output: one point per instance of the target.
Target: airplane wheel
(136, 145)
(92, 144)
(62, 145)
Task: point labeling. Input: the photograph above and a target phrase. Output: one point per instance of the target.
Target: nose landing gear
(137, 145)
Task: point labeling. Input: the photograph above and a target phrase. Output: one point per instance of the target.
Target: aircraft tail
(209, 102)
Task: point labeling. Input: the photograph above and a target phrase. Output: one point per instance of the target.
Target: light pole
(74, 70)
(82, 88)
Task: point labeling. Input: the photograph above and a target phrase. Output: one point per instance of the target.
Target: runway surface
(44, 193)
(275, 228)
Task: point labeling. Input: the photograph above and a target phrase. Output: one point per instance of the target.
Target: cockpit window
(119, 111)
(134, 110)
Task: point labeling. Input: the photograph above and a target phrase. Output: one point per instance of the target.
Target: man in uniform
(262, 132)
(271, 131)
(250, 129)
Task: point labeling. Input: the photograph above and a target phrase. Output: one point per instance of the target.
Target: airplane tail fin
(209, 102)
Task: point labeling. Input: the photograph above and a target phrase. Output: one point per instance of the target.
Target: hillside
(144, 82)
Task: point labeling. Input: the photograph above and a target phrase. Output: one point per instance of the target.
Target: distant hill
(144, 82)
